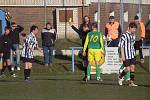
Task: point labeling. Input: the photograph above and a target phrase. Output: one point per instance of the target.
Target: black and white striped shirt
(127, 41)
(29, 45)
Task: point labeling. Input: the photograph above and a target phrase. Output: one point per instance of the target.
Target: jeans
(48, 55)
(17, 51)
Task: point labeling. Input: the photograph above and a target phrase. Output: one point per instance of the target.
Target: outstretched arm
(76, 30)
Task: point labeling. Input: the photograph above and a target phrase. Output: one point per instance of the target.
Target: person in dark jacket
(48, 35)
(5, 47)
(16, 29)
(83, 30)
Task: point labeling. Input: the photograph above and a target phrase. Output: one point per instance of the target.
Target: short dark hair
(33, 27)
(132, 25)
(94, 25)
(136, 17)
(111, 17)
(48, 23)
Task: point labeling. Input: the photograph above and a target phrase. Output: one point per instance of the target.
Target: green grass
(62, 44)
(59, 83)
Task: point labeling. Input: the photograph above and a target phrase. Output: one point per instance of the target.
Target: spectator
(16, 29)
(48, 35)
(139, 37)
(112, 32)
(5, 48)
(83, 30)
(27, 51)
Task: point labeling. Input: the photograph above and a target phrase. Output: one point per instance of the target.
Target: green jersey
(94, 40)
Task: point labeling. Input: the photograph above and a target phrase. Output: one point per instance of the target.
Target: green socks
(98, 71)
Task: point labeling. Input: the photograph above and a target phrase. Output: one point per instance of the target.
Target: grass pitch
(59, 83)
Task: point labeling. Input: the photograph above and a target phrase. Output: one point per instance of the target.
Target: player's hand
(120, 59)
(41, 50)
(84, 54)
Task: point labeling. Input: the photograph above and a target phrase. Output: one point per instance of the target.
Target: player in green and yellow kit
(95, 45)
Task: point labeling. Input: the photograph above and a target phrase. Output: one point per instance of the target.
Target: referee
(127, 53)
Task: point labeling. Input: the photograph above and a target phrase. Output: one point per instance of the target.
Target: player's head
(94, 26)
(34, 29)
(132, 27)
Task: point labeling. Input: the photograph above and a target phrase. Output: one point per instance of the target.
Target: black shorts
(28, 60)
(6, 55)
(129, 62)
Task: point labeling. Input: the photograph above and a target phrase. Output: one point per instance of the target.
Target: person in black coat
(5, 47)
(82, 32)
(15, 33)
(48, 35)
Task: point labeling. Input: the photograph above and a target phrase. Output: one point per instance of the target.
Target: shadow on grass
(79, 65)
(112, 84)
(145, 86)
(38, 61)
(63, 57)
(142, 66)
(56, 79)
(74, 42)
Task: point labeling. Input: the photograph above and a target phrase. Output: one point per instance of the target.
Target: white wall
(125, 1)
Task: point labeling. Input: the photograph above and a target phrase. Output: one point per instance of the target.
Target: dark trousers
(137, 46)
(85, 60)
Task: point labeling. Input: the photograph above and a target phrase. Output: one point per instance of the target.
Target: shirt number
(94, 38)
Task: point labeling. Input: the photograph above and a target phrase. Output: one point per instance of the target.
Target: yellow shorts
(96, 55)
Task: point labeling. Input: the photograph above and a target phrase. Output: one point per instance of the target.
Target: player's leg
(97, 70)
(124, 72)
(26, 69)
(90, 59)
(4, 65)
(8, 63)
(1, 63)
(97, 56)
(3, 69)
(127, 76)
(132, 74)
(29, 69)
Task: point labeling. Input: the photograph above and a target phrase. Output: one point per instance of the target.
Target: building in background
(59, 12)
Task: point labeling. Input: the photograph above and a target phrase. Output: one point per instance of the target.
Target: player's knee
(127, 69)
(90, 62)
